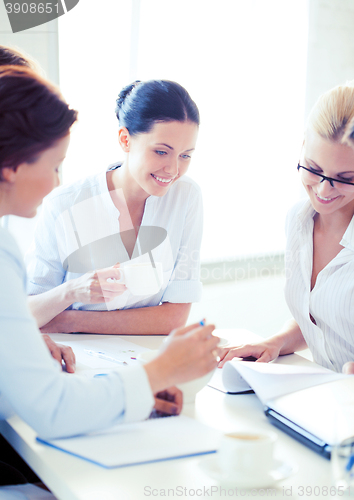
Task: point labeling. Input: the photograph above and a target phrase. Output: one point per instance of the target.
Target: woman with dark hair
(35, 124)
(140, 210)
(12, 57)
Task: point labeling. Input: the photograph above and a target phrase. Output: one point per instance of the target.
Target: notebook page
(271, 380)
(142, 442)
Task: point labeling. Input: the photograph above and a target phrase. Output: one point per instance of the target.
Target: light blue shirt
(78, 217)
(32, 384)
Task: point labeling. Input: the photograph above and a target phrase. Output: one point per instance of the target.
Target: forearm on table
(155, 320)
(290, 338)
(47, 305)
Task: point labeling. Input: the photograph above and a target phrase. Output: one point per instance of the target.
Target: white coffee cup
(142, 278)
(246, 458)
(189, 389)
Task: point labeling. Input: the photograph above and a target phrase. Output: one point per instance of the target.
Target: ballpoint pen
(102, 355)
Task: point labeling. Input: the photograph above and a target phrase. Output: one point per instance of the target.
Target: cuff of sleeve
(183, 292)
(139, 399)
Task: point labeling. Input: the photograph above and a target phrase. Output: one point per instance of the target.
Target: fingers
(265, 357)
(61, 353)
(109, 272)
(237, 352)
(348, 368)
(169, 402)
(53, 348)
(68, 356)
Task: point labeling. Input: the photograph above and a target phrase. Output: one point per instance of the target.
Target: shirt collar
(306, 215)
(348, 237)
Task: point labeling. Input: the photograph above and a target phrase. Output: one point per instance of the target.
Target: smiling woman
(117, 218)
(32, 383)
(320, 248)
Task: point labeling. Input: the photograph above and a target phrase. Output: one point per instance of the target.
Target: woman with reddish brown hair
(35, 124)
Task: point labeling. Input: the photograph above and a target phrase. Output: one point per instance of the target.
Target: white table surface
(71, 478)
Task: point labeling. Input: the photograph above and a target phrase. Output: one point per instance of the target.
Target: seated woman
(62, 353)
(320, 244)
(32, 384)
(143, 209)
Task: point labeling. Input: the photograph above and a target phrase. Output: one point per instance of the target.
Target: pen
(102, 355)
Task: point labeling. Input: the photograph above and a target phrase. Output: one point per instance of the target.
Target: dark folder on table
(303, 400)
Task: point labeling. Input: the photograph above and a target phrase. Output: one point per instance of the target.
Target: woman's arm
(154, 320)
(287, 341)
(91, 288)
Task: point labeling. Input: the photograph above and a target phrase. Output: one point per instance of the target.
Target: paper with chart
(109, 345)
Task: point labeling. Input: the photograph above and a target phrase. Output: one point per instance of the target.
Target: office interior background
(254, 68)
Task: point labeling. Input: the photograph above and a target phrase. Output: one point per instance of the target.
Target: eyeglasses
(310, 176)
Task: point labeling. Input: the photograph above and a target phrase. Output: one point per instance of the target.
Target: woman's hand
(348, 368)
(264, 352)
(96, 286)
(61, 353)
(189, 353)
(169, 402)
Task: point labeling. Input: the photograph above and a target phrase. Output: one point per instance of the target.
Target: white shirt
(331, 301)
(84, 215)
(32, 384)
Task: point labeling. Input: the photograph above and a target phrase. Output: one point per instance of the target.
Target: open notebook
(300, 400)
(142, 442)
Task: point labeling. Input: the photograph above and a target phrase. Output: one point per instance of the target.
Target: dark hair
(13, 57)
(142, 104)
(33, 116)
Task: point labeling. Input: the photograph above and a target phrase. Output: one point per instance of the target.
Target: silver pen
(102, 355)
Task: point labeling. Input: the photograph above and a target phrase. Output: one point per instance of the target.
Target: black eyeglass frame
(324, 177)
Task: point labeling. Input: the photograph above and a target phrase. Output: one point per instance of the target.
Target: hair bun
(124, 93)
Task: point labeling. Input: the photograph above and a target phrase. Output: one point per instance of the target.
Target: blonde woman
(320, 244)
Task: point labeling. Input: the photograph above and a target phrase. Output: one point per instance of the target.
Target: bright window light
(242, 61)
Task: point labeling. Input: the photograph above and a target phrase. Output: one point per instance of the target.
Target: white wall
(330, 59)
(41, 44)
(244, 64)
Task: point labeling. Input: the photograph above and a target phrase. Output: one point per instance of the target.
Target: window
(242, 61)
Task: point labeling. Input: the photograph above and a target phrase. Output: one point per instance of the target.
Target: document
(272, 380)
(302, 400)
(142, 442)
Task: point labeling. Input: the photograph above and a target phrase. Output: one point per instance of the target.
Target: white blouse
(330, 303)
(83, 215)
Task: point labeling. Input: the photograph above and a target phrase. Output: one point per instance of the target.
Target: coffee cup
(142, 278)
(189, 389)
(246, 458)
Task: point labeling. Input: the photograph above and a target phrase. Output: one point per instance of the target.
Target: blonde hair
(348, 137)
(332, 113)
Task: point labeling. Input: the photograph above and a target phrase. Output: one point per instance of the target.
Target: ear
(8, 174)
(124, 139)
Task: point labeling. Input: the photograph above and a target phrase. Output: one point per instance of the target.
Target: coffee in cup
(247, 457)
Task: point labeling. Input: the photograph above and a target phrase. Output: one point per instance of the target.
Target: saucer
(281, 470)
